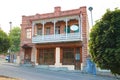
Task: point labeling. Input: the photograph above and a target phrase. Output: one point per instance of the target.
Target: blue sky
(12, 10)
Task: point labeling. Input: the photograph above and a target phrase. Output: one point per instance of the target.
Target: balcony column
(66, 26)
(54, 27)
(33, 29)
(80, 19)
(43, 23)
(57, 57)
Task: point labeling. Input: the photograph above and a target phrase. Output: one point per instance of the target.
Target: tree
(15, 39)
(104, 42)
(4, 42)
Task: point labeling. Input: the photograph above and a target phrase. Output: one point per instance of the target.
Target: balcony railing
(56, 38)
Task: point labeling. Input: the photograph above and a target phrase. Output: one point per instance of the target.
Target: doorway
(27, 57)
(77, 59)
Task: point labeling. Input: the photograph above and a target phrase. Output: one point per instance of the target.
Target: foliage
(4, 42)
(105, 41)
(15, 39)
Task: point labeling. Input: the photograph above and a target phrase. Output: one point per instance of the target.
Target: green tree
(15, 39)
(4, 42)
(104, 42)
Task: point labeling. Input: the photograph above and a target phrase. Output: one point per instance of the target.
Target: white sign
(74, 27)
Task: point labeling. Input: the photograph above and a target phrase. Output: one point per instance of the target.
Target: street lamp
(9, 48)
(90, 9)
(10, 25)
(91, 69)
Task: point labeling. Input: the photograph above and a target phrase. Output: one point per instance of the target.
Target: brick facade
(27, 23)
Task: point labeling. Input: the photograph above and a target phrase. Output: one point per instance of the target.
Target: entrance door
(77, 59)
(41, 57)
(27, 56)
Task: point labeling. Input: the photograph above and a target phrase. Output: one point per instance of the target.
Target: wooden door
(77, 59)
(27, 56)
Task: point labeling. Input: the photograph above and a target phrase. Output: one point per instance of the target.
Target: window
(57, 30)
(39, 31)
(28, 33)
(47, 30)
(77, 55)
(47, 56)
(68, 56)
(68, 29)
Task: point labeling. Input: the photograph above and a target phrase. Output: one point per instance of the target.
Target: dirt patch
(7, 78)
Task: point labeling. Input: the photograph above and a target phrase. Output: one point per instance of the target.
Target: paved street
(30, 73)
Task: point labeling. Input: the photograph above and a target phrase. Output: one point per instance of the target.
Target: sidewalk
(10, 64)
(4, 62)
(107, 74)
(99, 73)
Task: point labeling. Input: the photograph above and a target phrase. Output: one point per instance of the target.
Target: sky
(13, 10)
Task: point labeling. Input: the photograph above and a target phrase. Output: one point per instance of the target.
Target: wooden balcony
(69, 37)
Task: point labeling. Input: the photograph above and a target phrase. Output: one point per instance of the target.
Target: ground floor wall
(59, 55)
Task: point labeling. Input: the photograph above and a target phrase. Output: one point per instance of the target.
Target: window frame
(57, 30)
(47, 56)
(28, 33)
(39, 31)
(68, 56)
(48, 30)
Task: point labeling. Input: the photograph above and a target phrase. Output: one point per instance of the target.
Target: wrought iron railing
(56, 38)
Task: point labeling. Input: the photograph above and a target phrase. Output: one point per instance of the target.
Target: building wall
(85, 38)
(27, 23)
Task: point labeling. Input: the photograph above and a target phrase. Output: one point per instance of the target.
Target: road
(30, 73)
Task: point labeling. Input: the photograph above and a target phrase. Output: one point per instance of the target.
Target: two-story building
(57, 39)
